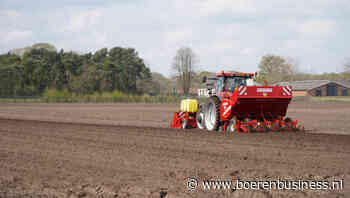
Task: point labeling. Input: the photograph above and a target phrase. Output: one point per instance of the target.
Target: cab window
(219, 84)
(232, 83)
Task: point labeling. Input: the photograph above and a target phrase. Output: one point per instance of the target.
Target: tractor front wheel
(200, 117)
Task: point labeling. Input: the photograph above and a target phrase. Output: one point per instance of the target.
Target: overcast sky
(225, 34)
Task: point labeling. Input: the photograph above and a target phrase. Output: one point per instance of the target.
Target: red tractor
(235, 103)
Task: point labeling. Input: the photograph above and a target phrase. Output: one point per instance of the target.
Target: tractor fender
(234, 97)
(225, 109)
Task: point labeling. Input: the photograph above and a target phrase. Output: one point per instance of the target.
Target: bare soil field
(319, 118)
(128, 150)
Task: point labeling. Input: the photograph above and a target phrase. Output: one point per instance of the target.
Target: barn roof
(345, 83)
(304, 85)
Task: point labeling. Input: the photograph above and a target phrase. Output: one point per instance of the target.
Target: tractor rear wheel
(212, 114)
(200, 117)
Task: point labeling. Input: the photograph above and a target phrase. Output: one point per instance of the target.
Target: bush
(299, 98)
(332, 99)
(55, 96)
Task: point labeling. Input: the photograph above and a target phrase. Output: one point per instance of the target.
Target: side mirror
(204, 79)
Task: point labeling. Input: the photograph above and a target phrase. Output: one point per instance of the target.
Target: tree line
(273, 68)
(39, 68)
(31, 71)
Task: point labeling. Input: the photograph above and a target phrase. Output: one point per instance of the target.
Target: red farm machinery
(235, 103)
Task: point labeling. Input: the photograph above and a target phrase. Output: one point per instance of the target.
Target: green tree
(125, 68)
(39, 64)
(275, 69)
(42, 67)
(46, 46)
(161, 83)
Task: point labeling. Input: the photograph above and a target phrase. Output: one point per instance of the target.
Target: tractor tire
(287, 119)
(200, 117)
(212, 114)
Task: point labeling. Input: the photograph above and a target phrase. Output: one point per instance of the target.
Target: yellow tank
(189, 105)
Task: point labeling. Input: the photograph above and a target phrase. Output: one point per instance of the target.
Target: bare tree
(276, 69)
(184, 65)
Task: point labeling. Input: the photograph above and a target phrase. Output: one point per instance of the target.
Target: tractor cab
(226, 83)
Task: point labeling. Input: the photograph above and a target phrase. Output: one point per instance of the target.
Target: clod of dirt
(234, 173)
(163, 193)
(82, 194)
(310, 176)
(134, 191)
(172, 174)
(69, 193)
(245, 158)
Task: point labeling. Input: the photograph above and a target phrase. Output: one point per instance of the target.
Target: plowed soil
(128, 150)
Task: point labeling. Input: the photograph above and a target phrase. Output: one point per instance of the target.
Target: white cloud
(16, 35)
(209, 7)
(12, 14)
(9, 18)
(249, 51)
(276, 8)
(317, 28)
(82, 21)
(222, 33)
(178, 36)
